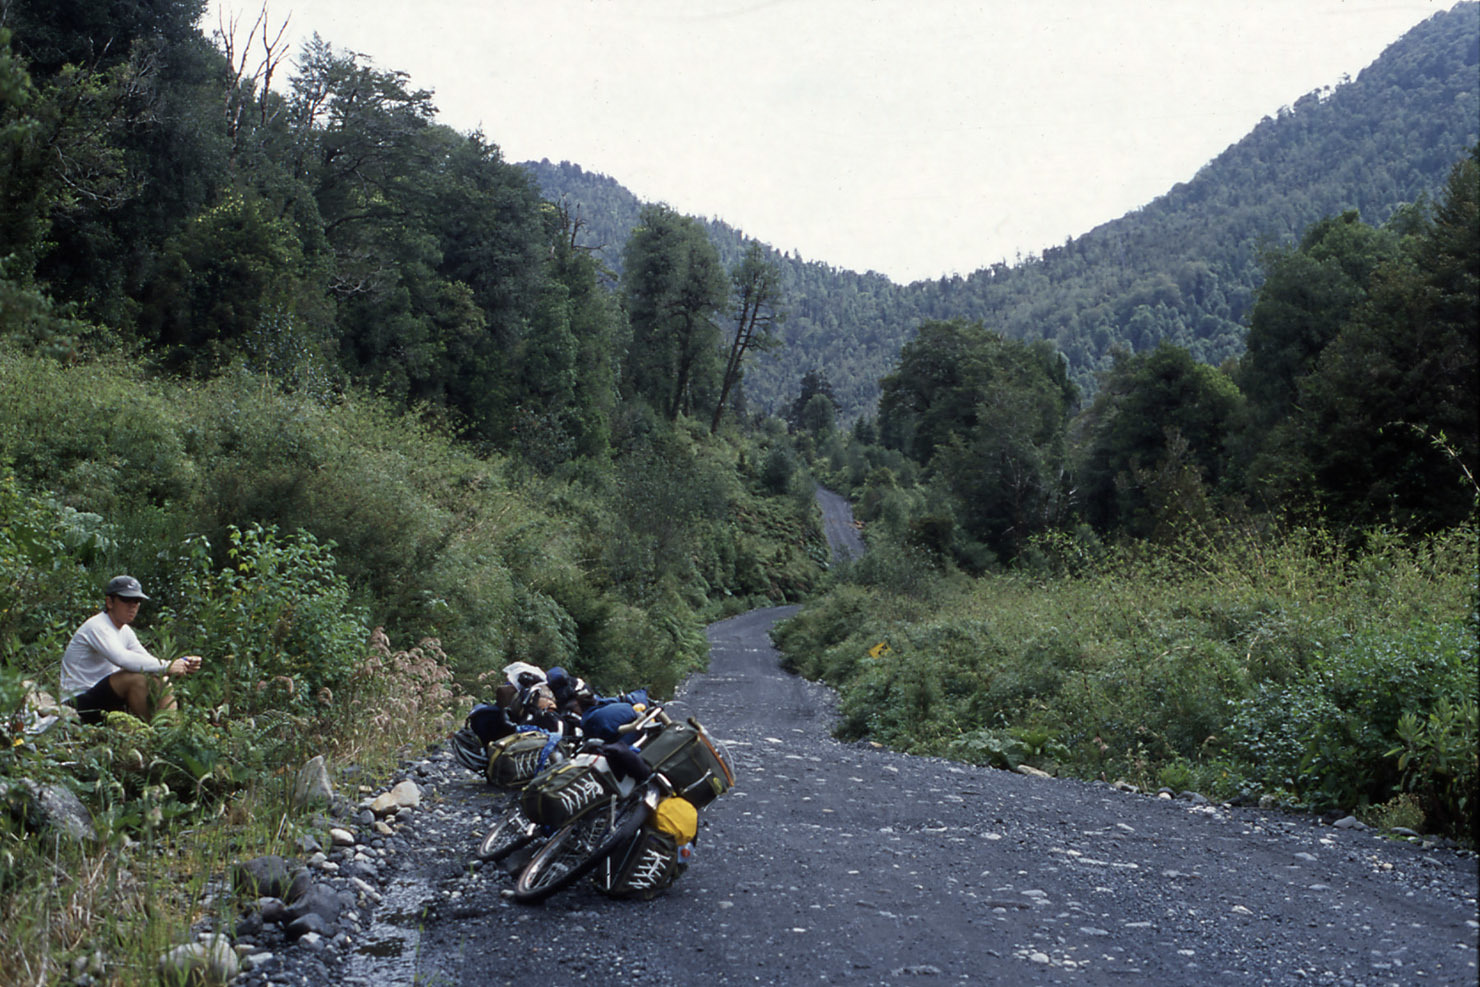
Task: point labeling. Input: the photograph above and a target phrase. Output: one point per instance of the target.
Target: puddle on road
(387, 951)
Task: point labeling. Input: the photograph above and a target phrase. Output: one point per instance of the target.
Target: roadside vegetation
(355, 577)
(370, 419)
(1257, 581)
(1248, 666)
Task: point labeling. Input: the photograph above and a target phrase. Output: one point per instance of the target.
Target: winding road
(846, 863)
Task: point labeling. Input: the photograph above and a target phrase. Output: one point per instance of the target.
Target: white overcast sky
(916, 138)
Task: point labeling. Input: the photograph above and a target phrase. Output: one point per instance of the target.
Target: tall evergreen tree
(989, 416)
(1384, 430)
(1154, 440)
(674, 286)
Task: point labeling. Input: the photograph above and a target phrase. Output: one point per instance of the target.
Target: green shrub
(94, 434)
(44, 584)
(1260, 665)
(276, 623)
(1333, 735)
(1437, 757)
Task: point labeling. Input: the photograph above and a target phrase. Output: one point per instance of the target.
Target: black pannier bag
(513, 761)
(694, 762)
(562, 793)
(643, 869)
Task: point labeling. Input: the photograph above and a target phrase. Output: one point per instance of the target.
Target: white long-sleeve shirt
(99, 649)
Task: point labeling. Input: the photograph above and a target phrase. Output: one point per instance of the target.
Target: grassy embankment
(275, 529)
(1256, 666)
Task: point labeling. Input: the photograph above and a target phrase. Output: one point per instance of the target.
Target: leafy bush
(43, 550)
(276, 621)
(1332, 737)
(1254, 665)
(1437, 757)
(94, 434)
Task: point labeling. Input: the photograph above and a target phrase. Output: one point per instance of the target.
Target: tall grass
(1259, 665)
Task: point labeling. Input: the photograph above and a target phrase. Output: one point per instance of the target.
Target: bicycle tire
(512, 832)
(576, 849)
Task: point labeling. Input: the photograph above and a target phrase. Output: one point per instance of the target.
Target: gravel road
(845, 863)
(837, 525)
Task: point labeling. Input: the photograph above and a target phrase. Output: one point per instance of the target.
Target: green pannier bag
(514, 760)
(562, 793)
(643, 869)
(694, 762)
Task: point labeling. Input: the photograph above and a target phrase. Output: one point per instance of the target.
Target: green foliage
(1308, 292)
(673, 286)
(1438, 759)
(1359, 447)
(1155, 441)
(1329, 736)
(43, 551)
(93, 433)
(1248, 664)
(757, 292)
(779, 468)
(233, 270)
(276, 620)
(988, 415)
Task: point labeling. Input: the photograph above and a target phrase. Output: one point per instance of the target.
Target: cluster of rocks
(301, 915)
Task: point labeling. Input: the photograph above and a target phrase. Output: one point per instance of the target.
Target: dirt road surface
(834, 863)
(844, 863)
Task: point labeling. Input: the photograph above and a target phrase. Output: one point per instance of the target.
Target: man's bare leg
(143, 694)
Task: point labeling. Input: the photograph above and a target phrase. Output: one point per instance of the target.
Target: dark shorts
(98, 700)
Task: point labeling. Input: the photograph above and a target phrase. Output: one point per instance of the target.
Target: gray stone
(262, 877)
(302, 881)
(256, 961)
(309, 924)
(406, 794)
(249, 926)
(271, 909)
(1349, 822)
(51, 807)
(313, 786)
(209, 964)
(321, 900)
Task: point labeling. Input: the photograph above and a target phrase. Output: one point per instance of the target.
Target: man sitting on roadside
(106, 668)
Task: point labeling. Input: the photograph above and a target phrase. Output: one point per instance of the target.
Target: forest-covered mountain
(1183, 268)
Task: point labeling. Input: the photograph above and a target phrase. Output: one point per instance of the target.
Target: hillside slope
(1184, 267)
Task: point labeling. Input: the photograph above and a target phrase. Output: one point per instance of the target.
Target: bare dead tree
(249, 91)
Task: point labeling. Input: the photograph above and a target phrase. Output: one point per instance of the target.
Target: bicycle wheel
(574, 850)
(510, 833)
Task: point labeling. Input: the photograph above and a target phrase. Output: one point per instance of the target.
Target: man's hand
(186, 665)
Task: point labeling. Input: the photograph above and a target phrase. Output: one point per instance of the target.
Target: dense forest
(1182, 269)
(372, 411)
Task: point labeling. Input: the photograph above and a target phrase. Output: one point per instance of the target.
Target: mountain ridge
(1184, 267)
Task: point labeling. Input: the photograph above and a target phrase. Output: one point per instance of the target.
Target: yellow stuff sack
(678, 818)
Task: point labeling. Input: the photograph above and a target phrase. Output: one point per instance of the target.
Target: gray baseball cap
(125, 586)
